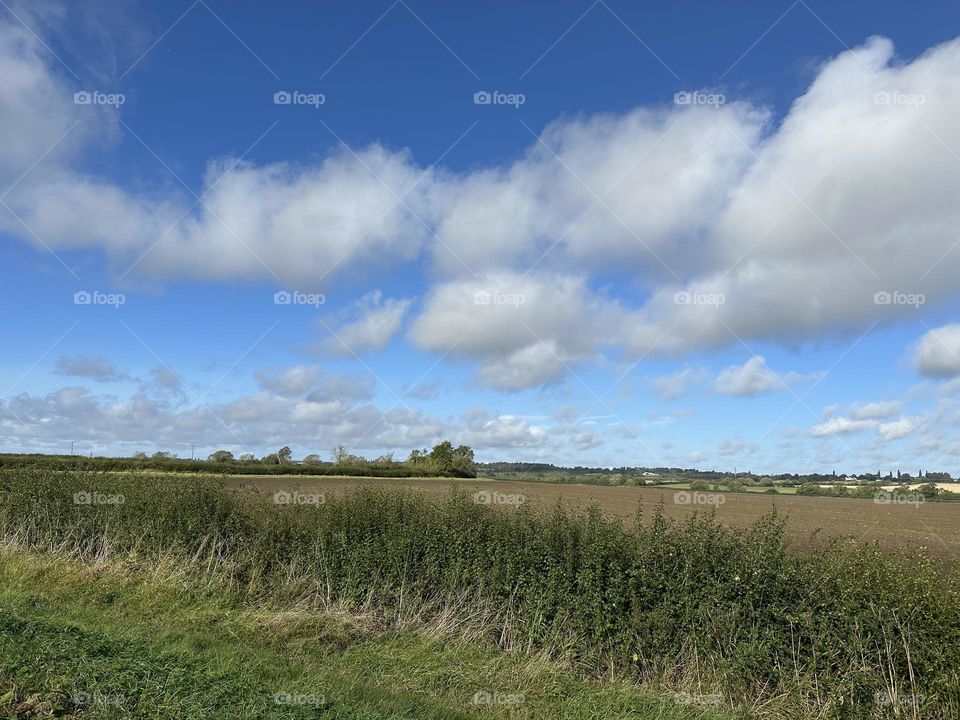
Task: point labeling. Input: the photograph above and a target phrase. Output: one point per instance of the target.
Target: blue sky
(679, 234)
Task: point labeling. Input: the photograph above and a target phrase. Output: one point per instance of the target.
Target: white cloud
(377, 321)
(678, 383)
(937, 353)
(315, 383)
(525, 330)
(898, 428)
(483, 430)
(661, 174)
(841, 426)
(795, 226)
(748, 380)
(874, 410)
(98, 368)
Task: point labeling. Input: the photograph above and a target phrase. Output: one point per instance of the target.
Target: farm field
(934, 526)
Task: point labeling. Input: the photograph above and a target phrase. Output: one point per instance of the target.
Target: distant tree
(139, 455)
(270, 459)
(463, 461)
(929, 490)
(312, 460)
(385, 460)
(162, 455)
(700, 485)
(247, 457)
(285, 454)
(340, 454)
(220, 456)
(441, 457)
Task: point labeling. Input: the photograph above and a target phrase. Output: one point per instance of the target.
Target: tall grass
(837, 631)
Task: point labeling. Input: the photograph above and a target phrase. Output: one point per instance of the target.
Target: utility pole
(71, 447)
(193, 449)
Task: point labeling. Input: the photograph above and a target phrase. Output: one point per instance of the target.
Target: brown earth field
(934, 526)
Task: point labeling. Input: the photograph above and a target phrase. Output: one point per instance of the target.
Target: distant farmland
(935, 526)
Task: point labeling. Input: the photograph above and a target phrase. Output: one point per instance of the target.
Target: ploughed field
(931, 525)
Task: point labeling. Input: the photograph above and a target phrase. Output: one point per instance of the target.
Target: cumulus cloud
(874, 410)
(98, 368)
(678, 383)
(749, 380)
(841, 426)
(315, 384)
(376, 321)
(525, 329)
(937, 353)
(610, 191)
(897, 429)
(787, 230)
(482, 429)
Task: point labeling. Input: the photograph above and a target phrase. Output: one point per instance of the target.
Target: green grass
(103, 642)
(693, 606)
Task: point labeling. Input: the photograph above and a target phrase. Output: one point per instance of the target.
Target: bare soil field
(935, 526)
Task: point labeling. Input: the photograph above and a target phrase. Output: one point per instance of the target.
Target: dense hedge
(113, 464)
(842, 631)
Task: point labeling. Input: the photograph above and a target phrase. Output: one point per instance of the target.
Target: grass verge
(105, 641)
